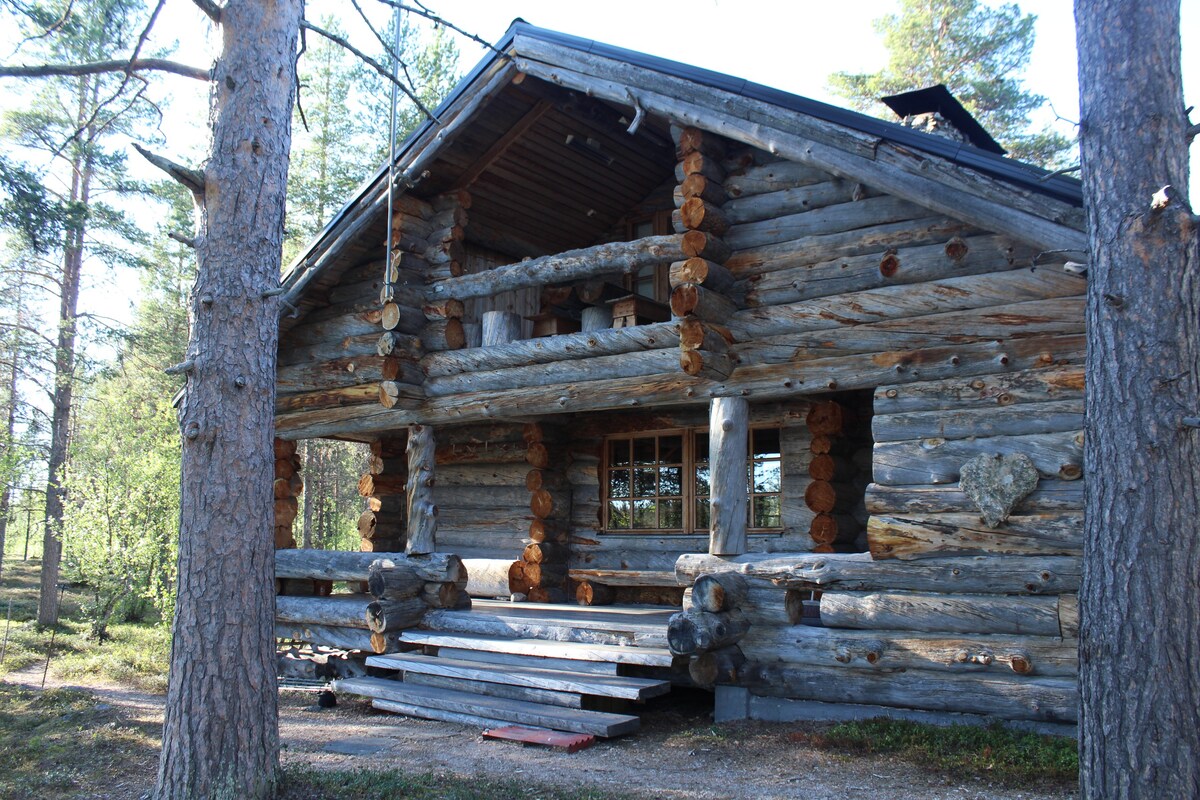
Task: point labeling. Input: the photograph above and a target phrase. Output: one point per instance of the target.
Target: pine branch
(191, 178)
(98, 67)
(422, 11)
(341, 42)
(210, 8)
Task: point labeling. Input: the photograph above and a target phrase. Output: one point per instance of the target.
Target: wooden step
(475, 709)
(510, 623)
(645, 656)
(543, 696)
(553, 679)
(540, 662)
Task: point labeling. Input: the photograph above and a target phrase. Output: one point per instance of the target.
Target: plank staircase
(537, 665)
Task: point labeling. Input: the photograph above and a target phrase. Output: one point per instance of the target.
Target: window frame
(688, 486)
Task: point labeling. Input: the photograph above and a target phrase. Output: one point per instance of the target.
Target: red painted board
(564, 741)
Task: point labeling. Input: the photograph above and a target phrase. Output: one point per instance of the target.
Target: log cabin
(674, 379)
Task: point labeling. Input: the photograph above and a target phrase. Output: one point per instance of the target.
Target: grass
(306, 783)
(996, 753)
(135, 654)
(60, 743)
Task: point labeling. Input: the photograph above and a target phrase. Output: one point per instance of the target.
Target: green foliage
(330, 505)
(341, 136)
(28, 209)
(978, 52)
(997, 753)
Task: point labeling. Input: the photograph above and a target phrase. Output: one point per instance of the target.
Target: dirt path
(676, 754)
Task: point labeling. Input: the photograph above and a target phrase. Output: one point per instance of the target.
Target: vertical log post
(382, 526)
(422, 512)
(500, 327)
(728, 433)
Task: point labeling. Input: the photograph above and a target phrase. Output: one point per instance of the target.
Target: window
(650, 281)
(660, 481)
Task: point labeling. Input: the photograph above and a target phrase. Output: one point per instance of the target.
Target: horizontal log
(443, 334)
(323, 376)
(700, 244)
(701, 271)
(719, 591)
(830, 219)
(889, 266)
(1049, 699)
(704, 364)
(480, 453)
(385, 616)
(984, 391)
(344, 638)
(941, 613)
(1049, 496)
(886, 650)
(623, 257)
(544, 553)
(489, 577)
(859, 572)
(331, 398)
(699, 164)
(776, 176)
(337, 565)
(796, 200)
(692, 632)
(690, 299)
(625, 577)
(906, 301)
(393, 584)
(343, 611)
(341, 347)
(716, 666)
(763, 382)
(590, 593)
(934, 461)
(937, 535)
(695, 140)
(626, 365)
(699, 215)
(615, 341)
(1054, 416)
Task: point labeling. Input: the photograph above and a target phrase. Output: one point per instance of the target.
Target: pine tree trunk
(64, 369)
(220, 732)
(1140, 620)
(11, 420)
(310, 491)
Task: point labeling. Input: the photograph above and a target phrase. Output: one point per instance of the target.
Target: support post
(728, 432)
(500, 327)
(422, 513)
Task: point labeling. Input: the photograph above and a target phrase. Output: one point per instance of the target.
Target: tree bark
(220, 732)
(1140, 725)
(64, 366)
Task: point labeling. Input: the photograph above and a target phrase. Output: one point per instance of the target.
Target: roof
(1027, 180)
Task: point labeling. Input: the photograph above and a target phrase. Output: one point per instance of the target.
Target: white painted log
(588, 262)
(728, 433)
(500, 327)
(937, 535)
(887, 650)
(859, 572)
(958, 613)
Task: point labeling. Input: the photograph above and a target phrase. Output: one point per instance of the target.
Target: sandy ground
(678, 753)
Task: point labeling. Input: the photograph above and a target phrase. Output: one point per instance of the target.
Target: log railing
(573, 265)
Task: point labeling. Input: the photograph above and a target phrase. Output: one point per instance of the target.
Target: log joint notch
(701, 286)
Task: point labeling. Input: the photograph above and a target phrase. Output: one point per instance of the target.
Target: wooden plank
(539, 662)
(598, 723)
(552, 679)
(497, 150)
(645, 656)
(544, 696)
(562, 628)
(559, 741)
(421, 712)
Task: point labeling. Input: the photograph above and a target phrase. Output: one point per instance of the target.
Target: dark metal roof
(939, 100)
